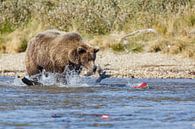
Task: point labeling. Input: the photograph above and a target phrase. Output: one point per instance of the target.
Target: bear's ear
(73, 56)
(96, 50)
(81, 50)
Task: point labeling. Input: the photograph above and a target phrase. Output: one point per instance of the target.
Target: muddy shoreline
(141, 65)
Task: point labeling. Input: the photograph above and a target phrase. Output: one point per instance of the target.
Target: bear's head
(84, 56)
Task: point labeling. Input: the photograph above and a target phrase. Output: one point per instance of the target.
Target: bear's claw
(102, 76)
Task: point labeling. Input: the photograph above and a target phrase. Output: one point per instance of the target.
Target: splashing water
(71, 79)
(47, 79)
(18, 82)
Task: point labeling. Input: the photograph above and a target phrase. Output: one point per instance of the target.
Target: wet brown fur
(53, 50)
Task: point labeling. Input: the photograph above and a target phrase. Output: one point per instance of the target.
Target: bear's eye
(81, 50)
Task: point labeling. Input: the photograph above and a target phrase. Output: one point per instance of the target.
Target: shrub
(117, 47)
(171, 18)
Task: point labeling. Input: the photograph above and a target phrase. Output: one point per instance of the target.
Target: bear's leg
(34, 73)
(32, 70)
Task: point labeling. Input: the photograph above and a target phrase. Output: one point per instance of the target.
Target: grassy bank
(103, 23)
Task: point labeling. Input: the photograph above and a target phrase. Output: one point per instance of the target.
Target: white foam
(71, 79)
(18, 82)
(48, 79)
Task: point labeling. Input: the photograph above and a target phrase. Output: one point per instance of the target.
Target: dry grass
(106, 20)
(17, 40)
(185, 47)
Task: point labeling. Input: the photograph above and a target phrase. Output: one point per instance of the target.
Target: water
(168, 104)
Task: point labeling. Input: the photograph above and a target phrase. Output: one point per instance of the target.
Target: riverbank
(133, 65)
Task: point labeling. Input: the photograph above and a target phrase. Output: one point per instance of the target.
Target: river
(113, 104)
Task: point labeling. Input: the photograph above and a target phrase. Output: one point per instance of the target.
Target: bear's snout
(90, 71)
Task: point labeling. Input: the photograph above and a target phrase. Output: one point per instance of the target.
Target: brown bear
(53, 50)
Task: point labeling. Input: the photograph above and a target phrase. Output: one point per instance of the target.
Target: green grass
(117, 47)
(6, 27)
(135, 47)
(23, 45)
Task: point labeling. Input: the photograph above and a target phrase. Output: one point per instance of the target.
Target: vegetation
(103, 22)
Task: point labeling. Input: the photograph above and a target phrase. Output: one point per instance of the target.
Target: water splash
(70, 79)
(47, 79)
(18, 82)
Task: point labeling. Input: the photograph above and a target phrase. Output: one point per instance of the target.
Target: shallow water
(167, 104)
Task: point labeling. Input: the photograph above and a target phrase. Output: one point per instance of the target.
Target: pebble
(141, 65)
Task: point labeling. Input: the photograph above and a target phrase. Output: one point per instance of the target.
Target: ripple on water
(169, 103)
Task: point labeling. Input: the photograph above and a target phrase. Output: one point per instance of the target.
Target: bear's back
(56, 37)
(56, 34)
(48, 35)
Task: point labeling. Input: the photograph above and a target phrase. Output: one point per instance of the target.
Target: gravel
(134, 65)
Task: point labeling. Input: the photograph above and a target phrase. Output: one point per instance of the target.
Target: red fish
(142, 85)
